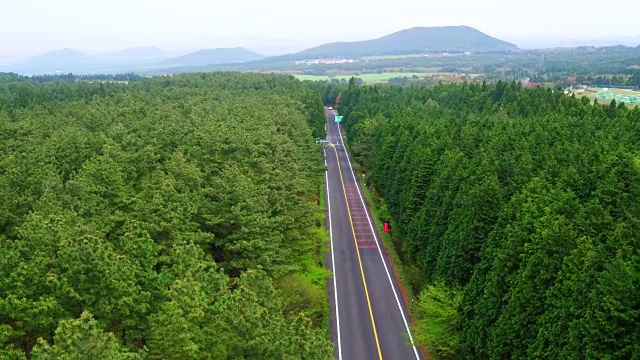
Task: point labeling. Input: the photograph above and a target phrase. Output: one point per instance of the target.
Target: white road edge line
(395, 294)
(333, 261)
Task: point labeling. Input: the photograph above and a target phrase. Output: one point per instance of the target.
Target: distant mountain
(61, 56)
(212, 56)
(153, 60)
(128, 60)
(64, 60)
(412, 41)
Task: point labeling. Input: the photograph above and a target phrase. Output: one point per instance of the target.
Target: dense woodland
(591, 65)
(13, 77)
(603, 66)
(171, 218)
(517, 212)
(177, 217)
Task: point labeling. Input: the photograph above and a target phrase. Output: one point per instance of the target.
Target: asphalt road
(368, 316)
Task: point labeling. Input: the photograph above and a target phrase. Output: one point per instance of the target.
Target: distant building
(330, 61)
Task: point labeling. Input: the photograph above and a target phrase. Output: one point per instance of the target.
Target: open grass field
(367, 78)
(384, 77)
(617, 91)
(591, 94)
(385, 57)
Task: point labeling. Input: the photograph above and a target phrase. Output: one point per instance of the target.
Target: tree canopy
(519, 206)
(155, 219)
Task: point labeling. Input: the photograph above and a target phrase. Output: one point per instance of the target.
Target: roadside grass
(400, 271)
(378, 213)
(319, 274)
(306, 292)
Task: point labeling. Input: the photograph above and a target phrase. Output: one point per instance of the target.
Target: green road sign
(338, 118)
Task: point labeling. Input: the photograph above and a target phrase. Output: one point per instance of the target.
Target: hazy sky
(29, 27)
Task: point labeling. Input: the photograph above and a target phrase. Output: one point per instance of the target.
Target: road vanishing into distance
(369, 319)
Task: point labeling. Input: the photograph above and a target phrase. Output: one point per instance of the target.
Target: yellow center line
(364, 281)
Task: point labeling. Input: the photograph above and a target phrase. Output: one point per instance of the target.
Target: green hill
(412, 41)
(213, 56)
(64, 61)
